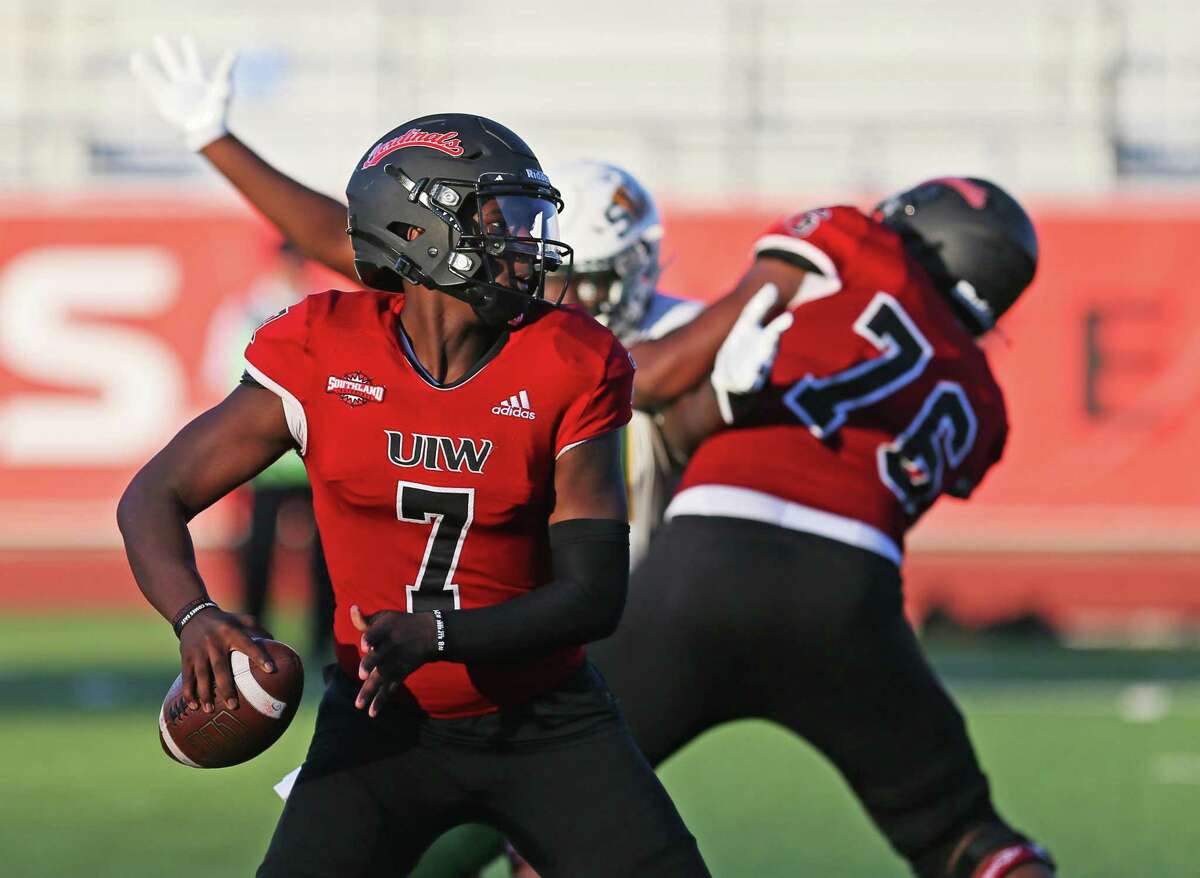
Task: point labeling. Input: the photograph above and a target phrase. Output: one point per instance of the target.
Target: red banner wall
(106, 311)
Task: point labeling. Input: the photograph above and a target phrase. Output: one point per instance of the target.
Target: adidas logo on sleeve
(516, 406)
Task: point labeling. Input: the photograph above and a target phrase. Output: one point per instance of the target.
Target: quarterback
(460, 435)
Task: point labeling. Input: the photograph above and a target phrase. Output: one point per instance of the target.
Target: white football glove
(194, 103)
(744, 361)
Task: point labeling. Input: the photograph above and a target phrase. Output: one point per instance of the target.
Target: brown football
(266, 705)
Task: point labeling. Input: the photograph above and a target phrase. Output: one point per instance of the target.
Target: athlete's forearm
(690, 420)
(315, 223)
(582, 604)
(670, 366)
(153, 515)
(216, 452)
(153, 523)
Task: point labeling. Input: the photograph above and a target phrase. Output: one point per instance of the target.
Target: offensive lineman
(462, 449)
(774, 588)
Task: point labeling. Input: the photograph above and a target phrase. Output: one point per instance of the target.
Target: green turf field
(1097, 751)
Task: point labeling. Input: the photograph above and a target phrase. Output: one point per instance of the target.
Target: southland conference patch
(355, 388)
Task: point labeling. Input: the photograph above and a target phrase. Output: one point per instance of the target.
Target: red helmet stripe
(972, 193)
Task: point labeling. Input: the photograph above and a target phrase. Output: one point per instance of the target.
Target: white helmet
(612, 224)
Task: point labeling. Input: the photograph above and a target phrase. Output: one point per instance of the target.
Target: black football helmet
(974, 239)
(457, 203)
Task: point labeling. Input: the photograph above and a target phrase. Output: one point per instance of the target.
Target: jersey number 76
(913, 465)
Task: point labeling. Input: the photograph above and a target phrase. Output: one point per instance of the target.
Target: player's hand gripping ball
(266, 703)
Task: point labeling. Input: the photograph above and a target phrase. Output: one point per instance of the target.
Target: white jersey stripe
(293, 410)
(814, 286)
(728, 501)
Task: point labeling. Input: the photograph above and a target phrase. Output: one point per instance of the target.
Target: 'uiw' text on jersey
(438, 453)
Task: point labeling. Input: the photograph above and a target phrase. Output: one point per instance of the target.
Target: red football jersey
(879, 400)
(437, 496)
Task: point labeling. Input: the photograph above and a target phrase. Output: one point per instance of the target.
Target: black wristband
(188, 612)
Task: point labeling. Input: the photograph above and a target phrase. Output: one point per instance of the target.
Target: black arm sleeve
(583, 603)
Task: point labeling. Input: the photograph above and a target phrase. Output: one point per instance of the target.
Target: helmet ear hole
(405, 231)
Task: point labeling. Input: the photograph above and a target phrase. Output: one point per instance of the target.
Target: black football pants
(730, 619)
(560, 776)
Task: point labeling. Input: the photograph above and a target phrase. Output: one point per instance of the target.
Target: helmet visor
(517, 237)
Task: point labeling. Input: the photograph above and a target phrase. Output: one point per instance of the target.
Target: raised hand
(195, 102)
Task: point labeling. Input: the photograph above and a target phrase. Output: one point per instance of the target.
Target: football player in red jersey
(979, 260)
(774, 588)
(461, 443)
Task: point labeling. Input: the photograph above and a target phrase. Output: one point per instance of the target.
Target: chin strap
(498, 310)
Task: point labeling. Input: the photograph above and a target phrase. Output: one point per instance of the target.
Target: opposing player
(461, 445)
(614, 228)
(774, 589)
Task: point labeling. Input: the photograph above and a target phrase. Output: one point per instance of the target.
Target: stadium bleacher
(718, 99)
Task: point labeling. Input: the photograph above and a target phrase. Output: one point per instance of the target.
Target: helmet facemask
(617, 291)
(616, 231)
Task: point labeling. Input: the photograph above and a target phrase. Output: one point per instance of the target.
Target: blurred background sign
(107, 315)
